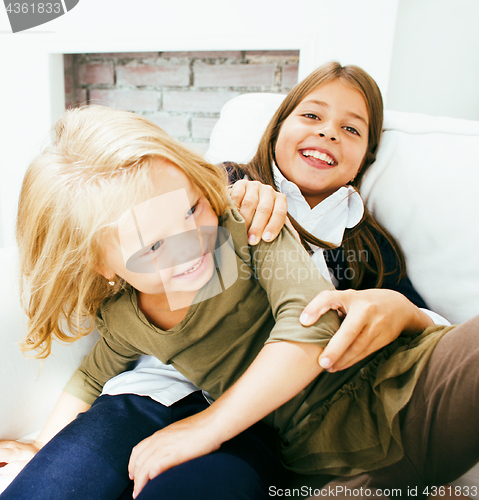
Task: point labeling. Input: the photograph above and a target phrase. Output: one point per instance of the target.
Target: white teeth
(318, 155)
(195, 267)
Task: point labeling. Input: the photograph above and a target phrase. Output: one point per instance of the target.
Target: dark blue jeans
(88, 460)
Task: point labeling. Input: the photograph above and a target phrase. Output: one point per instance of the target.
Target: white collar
(327, 220)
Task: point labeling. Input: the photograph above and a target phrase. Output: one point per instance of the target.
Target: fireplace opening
(182, 92)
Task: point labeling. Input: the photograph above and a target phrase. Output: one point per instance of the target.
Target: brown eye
(352, 130)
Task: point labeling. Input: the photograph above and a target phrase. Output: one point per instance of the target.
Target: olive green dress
(341, 423)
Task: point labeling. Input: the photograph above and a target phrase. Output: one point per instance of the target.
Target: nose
(329, 131)
(324, 135)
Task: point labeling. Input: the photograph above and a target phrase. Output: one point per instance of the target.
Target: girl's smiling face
(322, 144)
(159, 248)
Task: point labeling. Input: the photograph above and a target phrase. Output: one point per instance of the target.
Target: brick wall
(181, 91)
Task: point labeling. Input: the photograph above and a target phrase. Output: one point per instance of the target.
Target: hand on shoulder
(264, 209)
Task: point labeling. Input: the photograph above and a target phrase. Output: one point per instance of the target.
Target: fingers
(345, 346)
(137, 472)
(140, 481)
(269, 218)
(321, 304)
(135, 457)
(245, 195)
(11, 451)
(373, 319)
(8, 455)
(12, 469)
(342, 345)
(261, 215)
(263, 208)
(15, 456)
(237, 192)
(142, 476)
(146, 462)
(169, 447)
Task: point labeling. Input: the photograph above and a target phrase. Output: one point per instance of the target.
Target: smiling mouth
(194, 268)
(313, 153)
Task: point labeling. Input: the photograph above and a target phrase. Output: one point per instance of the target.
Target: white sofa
(422, 188)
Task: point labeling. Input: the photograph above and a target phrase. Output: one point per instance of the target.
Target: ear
(99, 263)
(360, 167)
(356, 174)
(104, 271)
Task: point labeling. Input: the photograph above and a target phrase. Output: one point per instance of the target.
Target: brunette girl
(316, 149)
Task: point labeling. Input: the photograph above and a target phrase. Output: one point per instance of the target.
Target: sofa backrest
(422, 188)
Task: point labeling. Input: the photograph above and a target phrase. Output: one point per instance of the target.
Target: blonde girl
(256, 361)
(101, 164)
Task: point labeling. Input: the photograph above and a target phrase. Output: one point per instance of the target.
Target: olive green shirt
(323, 428)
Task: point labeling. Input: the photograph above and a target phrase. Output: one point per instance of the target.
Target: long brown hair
(361, 237)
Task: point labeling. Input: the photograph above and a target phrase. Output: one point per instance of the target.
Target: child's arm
(17, 454)
(283, 367)
(279, 372)
(65, 411)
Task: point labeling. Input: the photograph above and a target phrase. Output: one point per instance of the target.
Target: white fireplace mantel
(31, 63)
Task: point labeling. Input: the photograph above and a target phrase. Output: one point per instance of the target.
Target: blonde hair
(97, 167)
(261, 166)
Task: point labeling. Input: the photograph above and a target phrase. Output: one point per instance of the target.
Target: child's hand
(16, 455)
(263, 209)
(372, 319)
(179, 442)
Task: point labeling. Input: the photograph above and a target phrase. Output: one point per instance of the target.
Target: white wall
(351, 31)
(435, 61)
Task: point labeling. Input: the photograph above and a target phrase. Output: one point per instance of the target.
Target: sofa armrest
(29, 387)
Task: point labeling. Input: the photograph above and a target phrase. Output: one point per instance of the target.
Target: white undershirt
(326, 221)
(150, 377)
